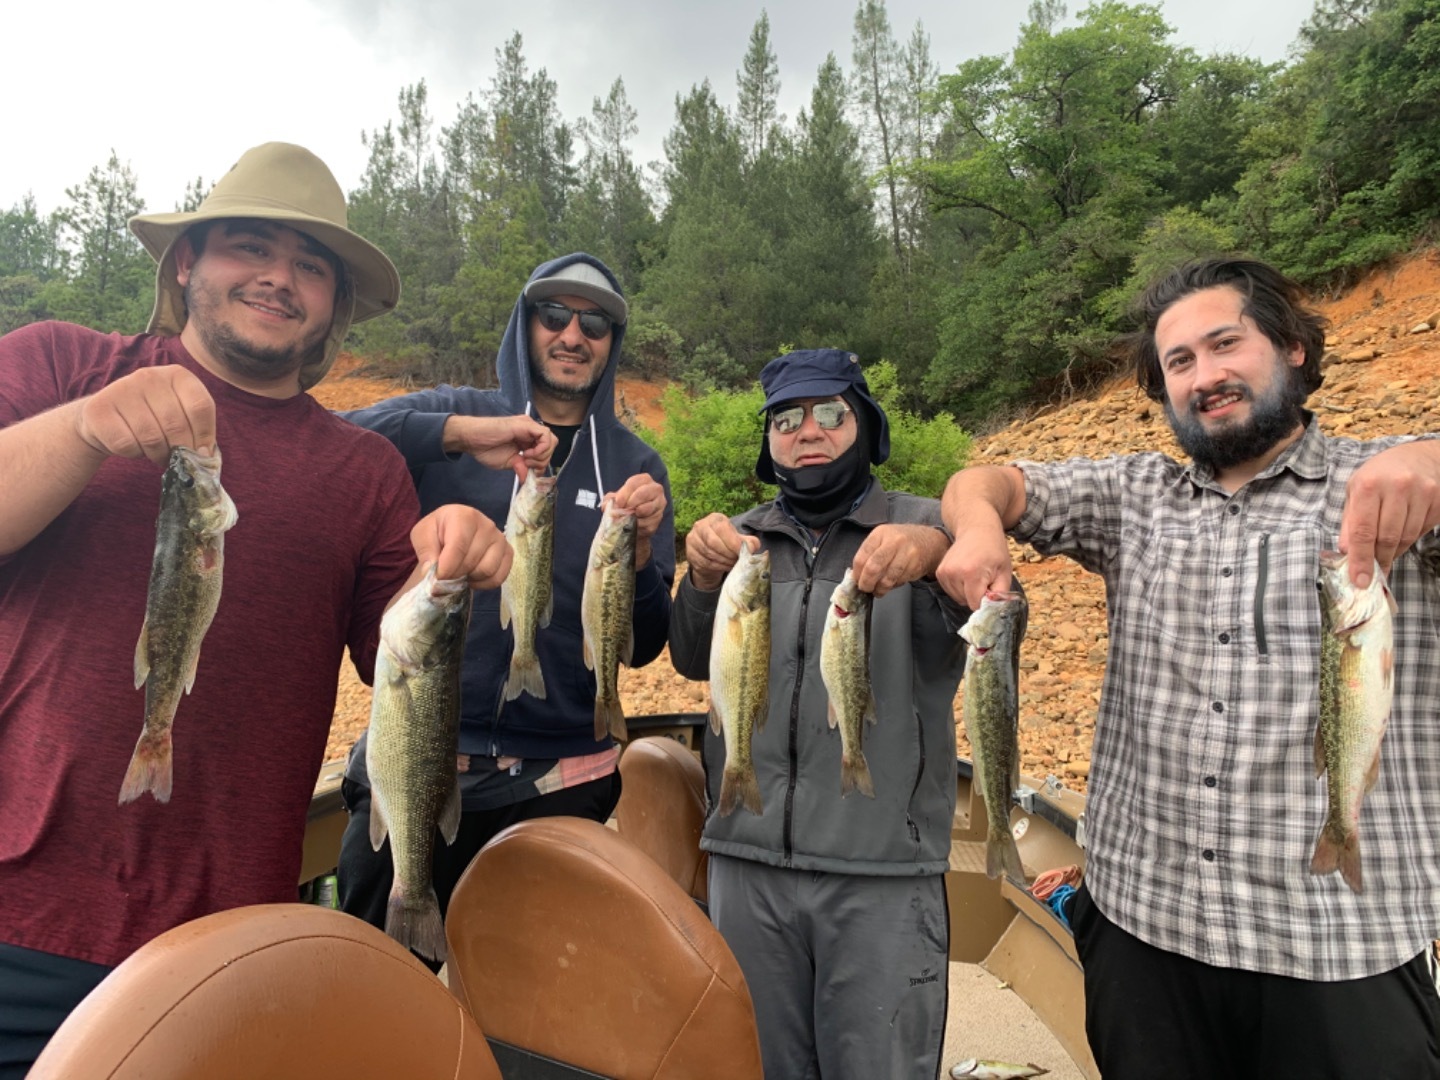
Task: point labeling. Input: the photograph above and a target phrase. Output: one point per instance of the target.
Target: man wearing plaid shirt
(1209, 948)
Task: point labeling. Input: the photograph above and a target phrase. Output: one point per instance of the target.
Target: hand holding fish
(712, 547)
(519, 443)
(979, 504)
(645, 498)
(894, 555)
(1390, 501)
(147, 414)
(464, 543)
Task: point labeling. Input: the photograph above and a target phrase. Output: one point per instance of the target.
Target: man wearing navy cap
(834, 904)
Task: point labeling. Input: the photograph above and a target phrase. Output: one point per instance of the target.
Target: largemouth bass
(991, 708)
(845, 670)
(1357, 663)
(977, 1069)
(526, 598)
(185, 578)
(607, 614)
(740, 675)
(411, 749)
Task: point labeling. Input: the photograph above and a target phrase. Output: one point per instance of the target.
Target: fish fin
(449, 823)
(190, 671)
(872, 711)
(588, 656)
(831, 716)
(855, 775)
(1319, 751)
(525, 675)
(715, 725)
(1389, 598)
(1002, 858)
(504, 609)
(549, 609)
(379, 822)
(740, 788)
(1387, 667)
(1373, 772)
(150, 768)
(142, 655)
(609, 719)
(417, 926)
(627, 647)
(1337, 851)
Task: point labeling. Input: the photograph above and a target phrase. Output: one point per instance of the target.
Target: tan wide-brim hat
(287, 184)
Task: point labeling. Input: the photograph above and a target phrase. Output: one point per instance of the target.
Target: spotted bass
(185, 578)
(1357, 662)
(526, 598)
(411, 748)
(740, 675)
(991, 709)
(845, 670)
(607, 614)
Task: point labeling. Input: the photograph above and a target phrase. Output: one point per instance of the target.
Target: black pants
(37, 992)
(365, 875)
(1152, 1013)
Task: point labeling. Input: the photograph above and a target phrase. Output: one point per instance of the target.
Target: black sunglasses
(555, 316)
(829, 415)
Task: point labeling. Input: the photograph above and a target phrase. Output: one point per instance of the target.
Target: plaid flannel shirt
(1204, 807)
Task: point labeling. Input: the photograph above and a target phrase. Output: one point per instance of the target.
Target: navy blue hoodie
(563, 725)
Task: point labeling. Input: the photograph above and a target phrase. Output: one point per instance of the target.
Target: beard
(1274, 415)
(565, 391)
(246, 358)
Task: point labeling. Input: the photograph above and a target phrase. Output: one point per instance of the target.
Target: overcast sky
(179, 90)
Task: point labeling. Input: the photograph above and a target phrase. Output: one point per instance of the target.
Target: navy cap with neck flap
(820, 373)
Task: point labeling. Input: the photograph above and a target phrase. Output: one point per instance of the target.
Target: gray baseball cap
(580, 279)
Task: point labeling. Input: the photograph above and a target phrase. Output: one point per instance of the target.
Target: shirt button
(1226, 572)
(1233, 508)
(1208, 855)
(1210, 781)
(1224, 639)
(1217, 706)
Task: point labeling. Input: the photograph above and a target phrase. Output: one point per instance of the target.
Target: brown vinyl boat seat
(662, 809)
(276, 991)
(568, 942)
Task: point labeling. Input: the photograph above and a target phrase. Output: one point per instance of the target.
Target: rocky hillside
(1382, 376)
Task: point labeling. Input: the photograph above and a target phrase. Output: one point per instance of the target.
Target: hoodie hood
(512, 365)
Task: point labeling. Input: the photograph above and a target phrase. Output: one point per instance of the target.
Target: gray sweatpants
(849, 974)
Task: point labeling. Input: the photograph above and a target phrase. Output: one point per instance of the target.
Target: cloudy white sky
(180, 89)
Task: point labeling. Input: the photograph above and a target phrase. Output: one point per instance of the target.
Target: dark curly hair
(1278, 306)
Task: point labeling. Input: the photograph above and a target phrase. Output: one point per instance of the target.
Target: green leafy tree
(111, 286)
(757, 111)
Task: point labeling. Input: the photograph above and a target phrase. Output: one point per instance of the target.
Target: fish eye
(187, 480)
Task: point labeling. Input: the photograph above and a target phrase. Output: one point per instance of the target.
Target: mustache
(1198, 399)
(269, 300)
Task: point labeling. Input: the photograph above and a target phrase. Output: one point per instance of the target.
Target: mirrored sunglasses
(829, 415)
(555, 317)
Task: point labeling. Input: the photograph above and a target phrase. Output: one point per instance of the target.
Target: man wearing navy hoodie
(529, 757)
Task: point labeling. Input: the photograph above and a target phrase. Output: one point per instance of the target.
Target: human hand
(894, 555)
(978, 562)
(645, 498)
(1390, 502)
(462, 542)
(520, 443)
(712, 547)
(147, 414)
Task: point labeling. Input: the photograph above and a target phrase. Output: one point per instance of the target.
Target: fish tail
(1002, 857)
(855, 775)
(738, 787)
(1338, 850)
(418, 926)
(149, 768)
(525, 675)
(610, 719)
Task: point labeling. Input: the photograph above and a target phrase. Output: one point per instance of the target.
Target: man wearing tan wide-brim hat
(255, 292)
(285, 185)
